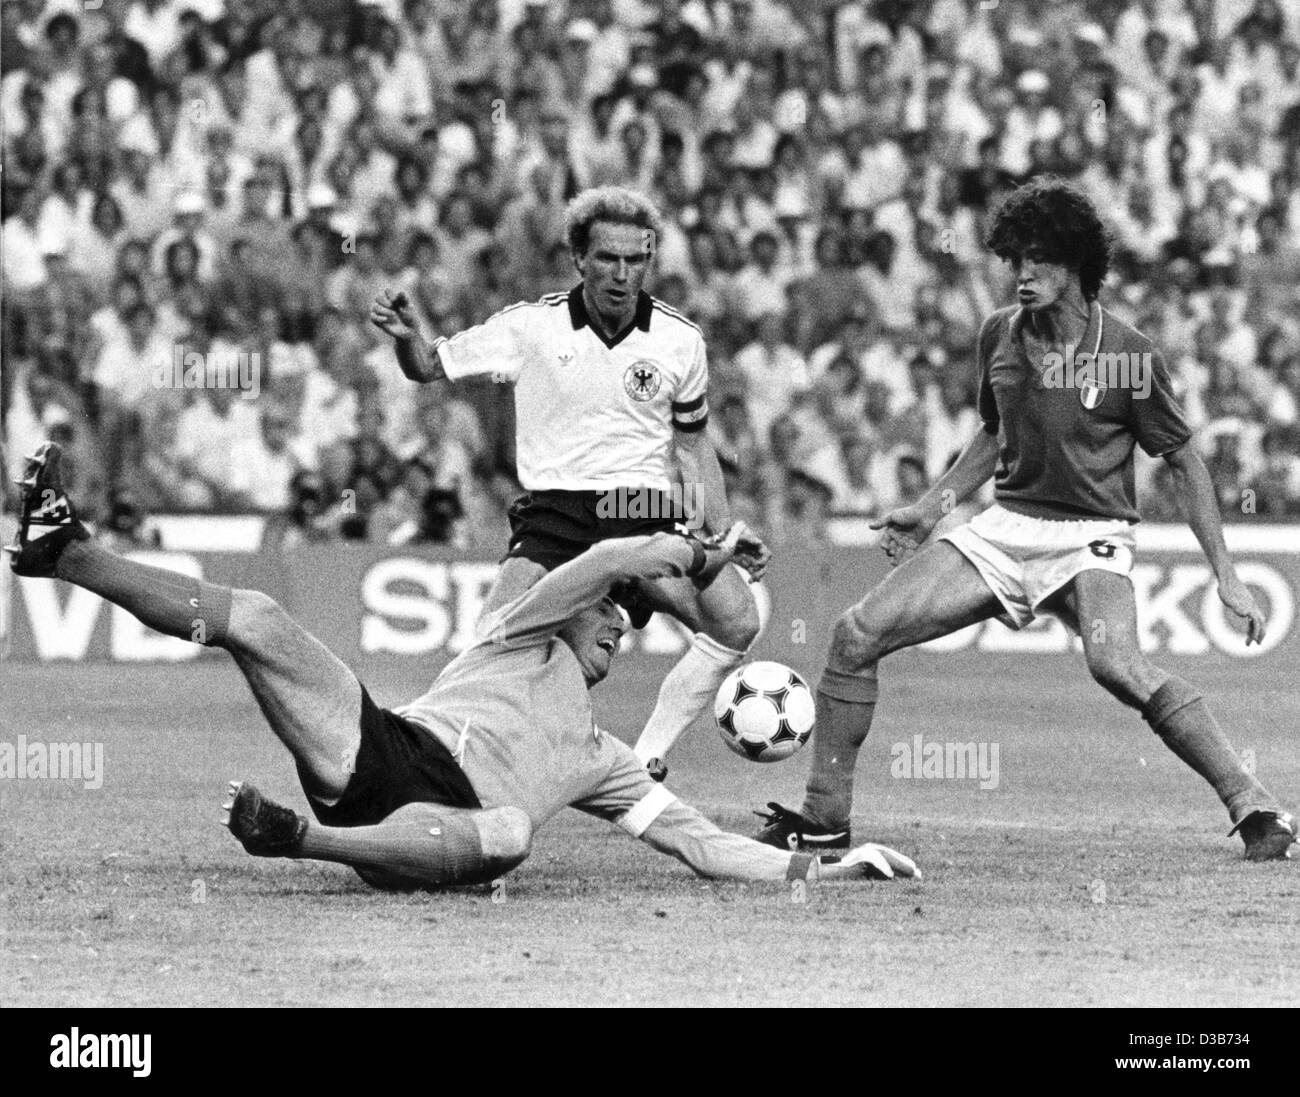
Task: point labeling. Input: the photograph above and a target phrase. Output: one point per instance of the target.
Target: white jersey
(590, 413)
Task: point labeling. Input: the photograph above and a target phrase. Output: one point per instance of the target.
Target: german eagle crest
(642, 380)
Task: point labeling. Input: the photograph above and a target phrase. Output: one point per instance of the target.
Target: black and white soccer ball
(765, 711)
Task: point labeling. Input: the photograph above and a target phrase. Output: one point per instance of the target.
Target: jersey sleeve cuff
(1163, 449)
(439, 349)
(637, 819)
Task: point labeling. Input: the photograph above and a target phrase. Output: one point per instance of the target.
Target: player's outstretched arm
(906, 528)
(572, 587)
(682, 832)
(392, 314)
(1192, 484)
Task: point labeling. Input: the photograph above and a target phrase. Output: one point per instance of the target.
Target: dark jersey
(1066, 431)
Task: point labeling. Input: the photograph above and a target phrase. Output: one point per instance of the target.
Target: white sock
(685, 694)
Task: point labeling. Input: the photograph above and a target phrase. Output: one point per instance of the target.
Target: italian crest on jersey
(1092, 391)
(642, 380)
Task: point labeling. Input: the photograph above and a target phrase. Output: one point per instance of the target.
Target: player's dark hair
(1059, 224)
(714, 138)
(165, 93)
(417, 241)
(415, 164)
(785, 141)
(183, 245)
(830, 235)
(62, 22)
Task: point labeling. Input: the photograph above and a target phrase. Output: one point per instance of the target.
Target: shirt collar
(1089, 342)
(579, 317)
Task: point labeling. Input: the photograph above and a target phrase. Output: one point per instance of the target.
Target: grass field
(1097, 873)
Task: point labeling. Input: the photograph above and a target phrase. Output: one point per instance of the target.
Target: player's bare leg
(1102, 607)
(935, 592)
(515, 576)
(724, 619)
(310, 698)
(418, 845)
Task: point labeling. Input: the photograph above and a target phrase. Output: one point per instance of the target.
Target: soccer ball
(765, 711)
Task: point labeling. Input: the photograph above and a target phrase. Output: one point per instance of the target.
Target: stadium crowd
(231, 181)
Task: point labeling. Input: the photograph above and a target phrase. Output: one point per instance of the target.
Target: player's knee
(1117, 674)
(739, 629)
(506, 834)
(855, 640)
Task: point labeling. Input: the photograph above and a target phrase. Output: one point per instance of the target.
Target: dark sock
(1179, 716)
(166, 601)
(845, 705)
(421, 843)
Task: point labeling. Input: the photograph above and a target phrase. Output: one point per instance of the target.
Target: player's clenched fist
(750, 552)
(392, 314)
(737, 545)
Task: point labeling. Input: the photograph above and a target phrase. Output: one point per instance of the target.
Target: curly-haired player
(610, 390)
(1066, 390)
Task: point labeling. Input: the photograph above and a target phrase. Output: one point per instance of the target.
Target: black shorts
(398, 763)
(553, 527)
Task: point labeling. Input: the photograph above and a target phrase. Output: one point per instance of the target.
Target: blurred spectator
(24, 263)
(857, 495)
(737, 443)
(832, 292)
(759, 287)
(772, 371)
(124, 368)
(418, 511)
(1279, 476)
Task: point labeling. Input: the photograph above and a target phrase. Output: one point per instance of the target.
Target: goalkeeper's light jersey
(514, 708)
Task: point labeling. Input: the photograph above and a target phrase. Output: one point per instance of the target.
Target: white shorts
(1026, 560)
